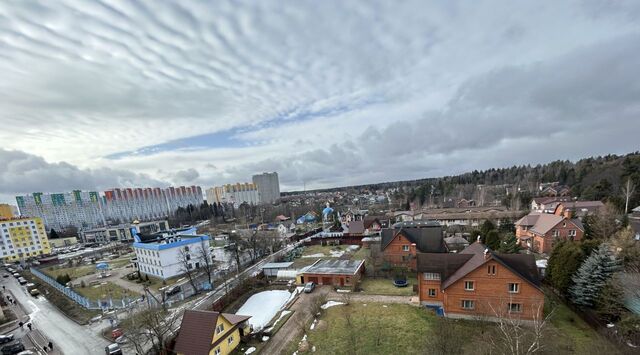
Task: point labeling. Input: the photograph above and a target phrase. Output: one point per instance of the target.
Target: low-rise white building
(171, 253)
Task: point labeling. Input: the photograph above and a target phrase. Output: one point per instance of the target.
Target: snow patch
(318, 255)
(331, 304)
(342, 291)
(265, 338)
(263, 306)
(313, 349)
(313, 325)
(250, 350)
(336, 253)
(282, 315)
(384, 305)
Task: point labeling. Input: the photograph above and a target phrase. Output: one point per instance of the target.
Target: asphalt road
(68, 336)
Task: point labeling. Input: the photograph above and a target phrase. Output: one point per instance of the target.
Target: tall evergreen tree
(492, 239)
(509, 244)
(592, 275)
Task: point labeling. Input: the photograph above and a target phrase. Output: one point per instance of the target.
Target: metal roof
(277, 265)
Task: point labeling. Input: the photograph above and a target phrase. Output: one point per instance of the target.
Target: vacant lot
(376, 328)
(99, 292)
(83, 270)
(384, 286)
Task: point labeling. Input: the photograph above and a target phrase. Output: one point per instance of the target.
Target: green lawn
(575, 333)
(320, 249)
(381, 286)
(375, 329)
(102, 291)
(361, 254)
(74, 272)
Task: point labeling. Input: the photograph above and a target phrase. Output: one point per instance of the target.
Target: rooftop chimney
(568, 214)
(478, 240)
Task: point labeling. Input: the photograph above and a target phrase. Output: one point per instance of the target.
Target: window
(217, 351)
(230, 339)
(555, 233)
(491, 270)
(572, 232)
(514, 288)
(515, 307)
(188, 257)
(432, 292)
(431, 276)
(186, 248)
(467, 304)
(219, 328)
(405, 248)
(468, 285)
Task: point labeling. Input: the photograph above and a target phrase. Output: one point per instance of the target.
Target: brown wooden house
(478, 282)
(401, 243)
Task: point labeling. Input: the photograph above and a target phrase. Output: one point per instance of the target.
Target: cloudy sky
(132, 93)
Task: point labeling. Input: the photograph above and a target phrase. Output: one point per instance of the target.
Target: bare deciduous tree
(150, 330)
(628, 190)
(187, 267)
(517, 336)
(204, 256)
(445, 338)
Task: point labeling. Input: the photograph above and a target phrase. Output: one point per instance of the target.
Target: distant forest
(597, 178)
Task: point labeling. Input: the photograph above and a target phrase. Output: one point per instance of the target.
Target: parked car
(113, 349)
(13, 348)
(34, 292)
(27, 352)
(116, 333)
(308, 288)
(16, 275)
(5, 275)
(5, 338)
(22, 281)
(174, 290)
(30, 285)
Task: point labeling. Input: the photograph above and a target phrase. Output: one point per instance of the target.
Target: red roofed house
(213, 333)
(478, 282)
(538, 231)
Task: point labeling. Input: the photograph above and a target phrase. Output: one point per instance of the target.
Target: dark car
(308, 288)
(174, 290)
(5, 275)
(12, 348)
(113, 349)
(5, 338)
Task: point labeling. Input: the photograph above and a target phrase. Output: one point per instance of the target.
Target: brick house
(401, 243)
(578, 208)
(371, 225)
(334, 272)
(478, 282)
(538, 231)
(206, 332)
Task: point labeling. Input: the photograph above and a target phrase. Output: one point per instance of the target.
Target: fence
(81, 300)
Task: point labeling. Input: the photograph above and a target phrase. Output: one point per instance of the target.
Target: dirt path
(359, 297)
(291, 331)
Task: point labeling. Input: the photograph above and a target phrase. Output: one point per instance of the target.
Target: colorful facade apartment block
(22, 238)
(479, 283)
(213, 333)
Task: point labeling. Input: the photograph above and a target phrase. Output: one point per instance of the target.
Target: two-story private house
(404, 240)
(478, 282)
(539, 231)
(213, 333)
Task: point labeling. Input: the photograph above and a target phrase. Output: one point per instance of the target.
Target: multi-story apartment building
(236, 194)
(7, 211)
(268, 186)
(86, 210)
(81, 209)
(22, 238)
(122, 233)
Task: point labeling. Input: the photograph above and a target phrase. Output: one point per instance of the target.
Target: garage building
(334, 272)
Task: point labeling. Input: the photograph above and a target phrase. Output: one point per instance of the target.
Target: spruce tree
(592, 275)
(509, 244)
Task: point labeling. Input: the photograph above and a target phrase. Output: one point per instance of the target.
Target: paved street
(66, 335)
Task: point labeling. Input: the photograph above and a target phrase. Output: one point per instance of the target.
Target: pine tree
(492, 239)
(510, 244)
(592, 275)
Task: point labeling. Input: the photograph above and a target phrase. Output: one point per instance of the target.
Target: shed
(271, 269)
(334, 272)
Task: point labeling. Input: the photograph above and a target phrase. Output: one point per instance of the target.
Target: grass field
(381, 286)
(374, 329)
(361, 254)
(102, 291)
(83, 270)
(575, 333)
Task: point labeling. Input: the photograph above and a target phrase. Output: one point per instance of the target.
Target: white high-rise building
(268, 186)
(81, 209)
(85, 210)
(234, 193)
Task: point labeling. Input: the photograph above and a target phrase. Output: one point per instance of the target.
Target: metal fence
(105, 303)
